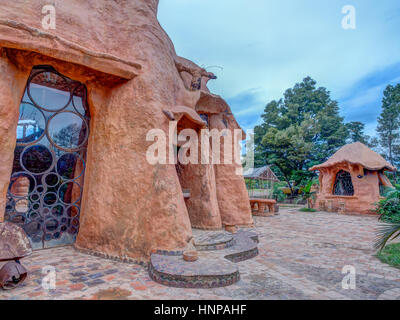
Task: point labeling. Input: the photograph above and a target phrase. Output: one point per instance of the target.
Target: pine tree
(389, 124)
(356, 134)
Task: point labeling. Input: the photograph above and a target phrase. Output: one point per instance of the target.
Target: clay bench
(262, 204)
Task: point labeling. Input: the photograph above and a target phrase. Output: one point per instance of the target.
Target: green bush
(389, 208)
(306, 192)
(278, 194)
(308, 210)
(391, 255)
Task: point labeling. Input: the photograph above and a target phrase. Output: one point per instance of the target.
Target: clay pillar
(130, 207)
(12, 85)
(233, 199)
(203, 204)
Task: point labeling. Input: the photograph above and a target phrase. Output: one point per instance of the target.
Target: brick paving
(301, 256)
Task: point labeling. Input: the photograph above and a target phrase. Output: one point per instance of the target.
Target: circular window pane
(34, 215)
(51, 225)
(79, 98)
(47, 237)
(49, 91)
(18, 184)
(70, 166)
(57, 210)
(34, 227)
(46, 211)
(35, 197)
(36, 238)
(31, 124)
(67, 130)
(73, 229)
(50, 198)
(75, 223)
(69, 192)
(22, 206)
(73, 211)
(40, 189)
(37, 159)
(51, 179)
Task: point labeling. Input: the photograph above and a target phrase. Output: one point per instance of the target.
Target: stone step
(214, 268)
(248, 232)
(173, 271)
(212, 240)
(245, 248)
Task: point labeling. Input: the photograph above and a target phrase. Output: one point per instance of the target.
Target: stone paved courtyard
(301, 257)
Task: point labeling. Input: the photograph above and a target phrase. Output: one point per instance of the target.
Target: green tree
(389, 124)
(356, 133)
(300, 130)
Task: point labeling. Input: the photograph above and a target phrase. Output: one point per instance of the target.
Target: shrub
(389, 208)
(391, 255)
(389, 211)
(278, 194)
(308, 193)
(308, 210)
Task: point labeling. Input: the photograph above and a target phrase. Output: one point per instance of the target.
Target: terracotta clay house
(352, 179)
(76, 104)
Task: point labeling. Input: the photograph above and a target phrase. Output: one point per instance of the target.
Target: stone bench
(262, 204)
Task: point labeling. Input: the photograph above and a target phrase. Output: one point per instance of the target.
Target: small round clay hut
(352, 180)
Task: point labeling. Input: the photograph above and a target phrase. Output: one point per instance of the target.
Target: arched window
(46, 184)
(343, 185)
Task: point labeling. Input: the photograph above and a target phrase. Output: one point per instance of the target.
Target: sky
(260, 48)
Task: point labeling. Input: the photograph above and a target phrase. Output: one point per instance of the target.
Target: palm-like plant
(389, 209)
(386, 232)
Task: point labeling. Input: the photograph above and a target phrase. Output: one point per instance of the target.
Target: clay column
(203, 204)
(12, 85)
(233, 199)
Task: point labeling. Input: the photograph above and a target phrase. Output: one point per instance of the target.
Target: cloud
(271, 45)
(247, 107)
(363, 100)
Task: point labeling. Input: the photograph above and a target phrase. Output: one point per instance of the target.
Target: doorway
(45, 191)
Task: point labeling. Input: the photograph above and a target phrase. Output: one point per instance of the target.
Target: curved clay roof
(191, 114)
(357, 153)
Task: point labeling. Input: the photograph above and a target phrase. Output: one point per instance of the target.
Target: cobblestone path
(301, 257)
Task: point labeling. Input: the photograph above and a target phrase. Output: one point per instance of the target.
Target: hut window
(343, 185)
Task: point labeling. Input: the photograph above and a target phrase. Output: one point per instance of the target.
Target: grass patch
(391, 255)
(286, 205)
(308, 210)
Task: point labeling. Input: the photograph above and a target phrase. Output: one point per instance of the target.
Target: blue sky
(259, 48)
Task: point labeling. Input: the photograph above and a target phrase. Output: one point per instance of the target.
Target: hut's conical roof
(357, 153)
